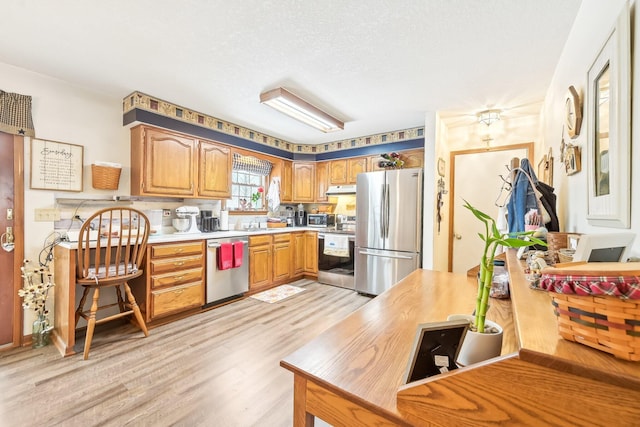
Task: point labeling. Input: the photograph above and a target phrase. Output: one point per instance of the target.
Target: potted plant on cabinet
(492, 238)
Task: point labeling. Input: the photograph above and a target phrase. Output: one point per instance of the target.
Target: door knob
(457, 236)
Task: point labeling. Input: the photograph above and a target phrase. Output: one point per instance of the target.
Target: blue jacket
(523, 197)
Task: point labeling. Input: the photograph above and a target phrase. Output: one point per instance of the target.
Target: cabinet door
(260, 263)
(338, 172)
(168, 164)
(303, 182)
(286, 189)
(413, 158)
(214, 170)
(374, 163)
(311, 252)
(281, 262)
(355, 166)
(298, 254)
(322, 181)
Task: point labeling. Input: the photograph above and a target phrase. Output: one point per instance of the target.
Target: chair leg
(91, 322)
(136, 309)
(120, 300)
(85, 292)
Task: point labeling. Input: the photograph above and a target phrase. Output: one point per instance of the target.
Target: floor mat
(277, 294)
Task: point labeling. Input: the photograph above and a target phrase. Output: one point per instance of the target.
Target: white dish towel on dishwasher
(336, 245)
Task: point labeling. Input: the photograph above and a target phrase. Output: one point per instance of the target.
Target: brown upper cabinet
(412, 159)
(322, 181)
(215, 170)
(169, 164)
(304, 177)
(345, 171)
(286, 182)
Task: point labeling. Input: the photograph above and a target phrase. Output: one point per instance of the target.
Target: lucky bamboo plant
(492, 239)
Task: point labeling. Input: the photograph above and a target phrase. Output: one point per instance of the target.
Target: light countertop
(182, 237)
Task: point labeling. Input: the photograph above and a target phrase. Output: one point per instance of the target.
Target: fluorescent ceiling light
(299, 109)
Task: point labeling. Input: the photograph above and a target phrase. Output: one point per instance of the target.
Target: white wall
(66, 113)
(591, 28)
(511, 129)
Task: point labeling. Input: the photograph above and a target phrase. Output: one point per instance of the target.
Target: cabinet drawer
(176, 278)
(177, 299)
(177, 249)
(282, 238)
(264, 239)
(159, 266)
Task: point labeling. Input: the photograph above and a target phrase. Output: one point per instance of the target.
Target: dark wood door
(11, 163)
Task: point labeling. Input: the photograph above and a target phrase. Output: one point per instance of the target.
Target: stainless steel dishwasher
(224, 285)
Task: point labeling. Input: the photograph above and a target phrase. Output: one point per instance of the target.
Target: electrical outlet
(44, 215)
(166, 212)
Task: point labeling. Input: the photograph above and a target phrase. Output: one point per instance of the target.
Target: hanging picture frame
(56, 165)
(608, 132)
(572, 159)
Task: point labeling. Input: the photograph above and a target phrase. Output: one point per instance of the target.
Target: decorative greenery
(36, 285)
(258, 195)
(492, 239)
(391, 161)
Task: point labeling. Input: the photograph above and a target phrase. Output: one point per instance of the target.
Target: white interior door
(477, 180)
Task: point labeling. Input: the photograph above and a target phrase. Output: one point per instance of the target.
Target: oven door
(336, 270)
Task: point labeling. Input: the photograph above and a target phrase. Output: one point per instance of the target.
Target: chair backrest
(118, 251)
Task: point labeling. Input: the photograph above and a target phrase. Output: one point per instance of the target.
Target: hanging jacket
(524, 197)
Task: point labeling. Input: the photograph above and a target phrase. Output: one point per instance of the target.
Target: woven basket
(565, 255)
(105, 177)
(557, 240)
(606, 323)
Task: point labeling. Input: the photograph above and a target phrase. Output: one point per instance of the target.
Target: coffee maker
(301, 216)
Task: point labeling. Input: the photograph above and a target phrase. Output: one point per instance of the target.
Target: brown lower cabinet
(173, 282)
(279, 258)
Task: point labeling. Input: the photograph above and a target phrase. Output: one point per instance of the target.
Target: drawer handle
(177, 279)
(178, 263)
(178, 250)
(178, 291)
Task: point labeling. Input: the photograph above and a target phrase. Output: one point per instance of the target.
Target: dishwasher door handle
(384, 255)
(217, 245)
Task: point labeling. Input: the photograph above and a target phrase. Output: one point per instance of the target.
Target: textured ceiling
(377, 65)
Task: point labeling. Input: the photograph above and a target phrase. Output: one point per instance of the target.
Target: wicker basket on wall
(105, 177)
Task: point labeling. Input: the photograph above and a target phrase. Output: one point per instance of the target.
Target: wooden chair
(110, 261)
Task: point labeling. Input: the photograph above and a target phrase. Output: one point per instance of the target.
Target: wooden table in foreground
(352, 373)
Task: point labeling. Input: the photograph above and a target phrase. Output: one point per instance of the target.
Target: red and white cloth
(625, 287)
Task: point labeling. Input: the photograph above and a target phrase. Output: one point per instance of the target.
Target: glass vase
(40, 332)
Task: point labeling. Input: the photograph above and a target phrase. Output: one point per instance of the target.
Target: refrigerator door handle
(382, 210)
(386, 214)
(384, 255)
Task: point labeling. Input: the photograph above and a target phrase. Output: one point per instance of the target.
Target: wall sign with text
(56, 165)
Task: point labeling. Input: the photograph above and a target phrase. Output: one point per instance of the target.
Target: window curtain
(251, 164)
(15, 114)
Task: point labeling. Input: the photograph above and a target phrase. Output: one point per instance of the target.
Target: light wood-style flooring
(218, 368)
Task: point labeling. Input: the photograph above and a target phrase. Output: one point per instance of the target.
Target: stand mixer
(190, 213)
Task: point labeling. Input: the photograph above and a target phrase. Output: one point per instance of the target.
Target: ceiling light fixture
(489, 116)
(299, 109)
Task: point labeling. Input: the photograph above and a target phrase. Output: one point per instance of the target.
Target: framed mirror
(608, 131)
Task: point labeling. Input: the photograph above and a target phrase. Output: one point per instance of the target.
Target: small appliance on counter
(190, 214)
(323, 220)
(301, 219)
(290, 218)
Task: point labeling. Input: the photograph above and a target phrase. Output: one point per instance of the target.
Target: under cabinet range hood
(334, 190)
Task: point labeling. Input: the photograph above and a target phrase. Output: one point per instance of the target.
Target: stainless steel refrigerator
(388, 228)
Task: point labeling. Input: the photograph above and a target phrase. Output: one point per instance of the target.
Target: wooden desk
(64, 330)
(352, 373)
(355, 369)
